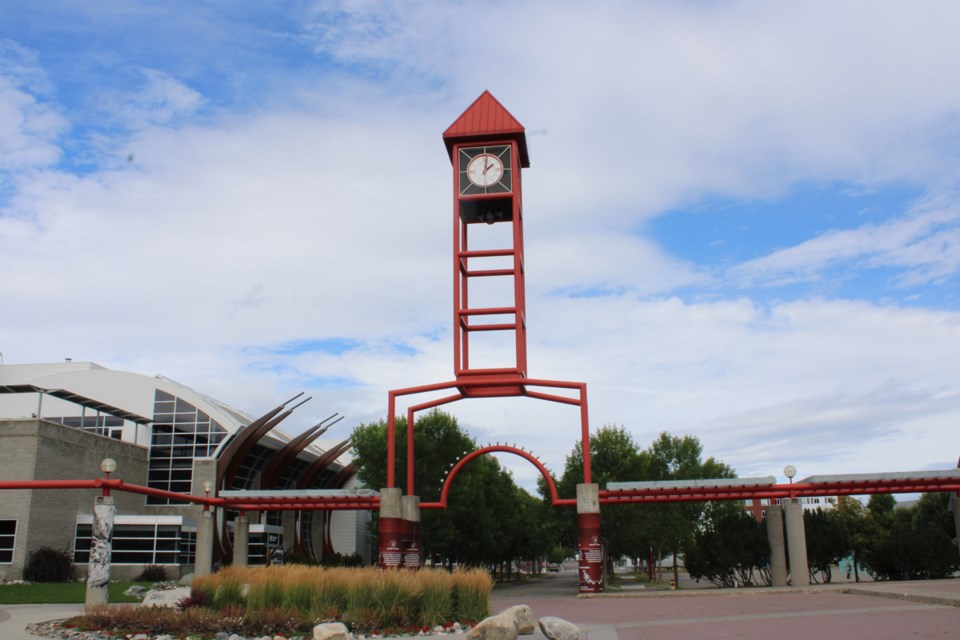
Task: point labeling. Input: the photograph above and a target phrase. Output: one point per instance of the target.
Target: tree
(678, 458)
(827, 542)
(614, 457)
(730, 549)
(632, 530)
(881, 507)
(916, 542)
(488, 521)
(858, 528)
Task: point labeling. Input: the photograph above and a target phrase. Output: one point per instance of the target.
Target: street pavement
(867, 611)
(874, 611)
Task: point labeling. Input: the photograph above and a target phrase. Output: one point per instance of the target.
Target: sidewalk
(15, 617)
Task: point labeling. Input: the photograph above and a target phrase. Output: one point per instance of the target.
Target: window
(181, 432)
(102, 425)
(8, 537)
(141, 540)
(262, 545)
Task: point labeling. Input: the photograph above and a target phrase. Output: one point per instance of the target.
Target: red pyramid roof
(486, 118)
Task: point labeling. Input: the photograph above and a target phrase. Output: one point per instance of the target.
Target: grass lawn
(61, 592)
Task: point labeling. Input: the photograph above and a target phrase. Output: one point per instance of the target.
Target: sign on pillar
(391, 529)
(590, 547)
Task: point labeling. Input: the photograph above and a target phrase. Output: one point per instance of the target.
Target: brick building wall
(40, 450)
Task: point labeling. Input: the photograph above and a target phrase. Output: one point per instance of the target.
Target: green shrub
(152, 573)
(48, 565)
(341, 560)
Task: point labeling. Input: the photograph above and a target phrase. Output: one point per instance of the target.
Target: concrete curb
(909, 597)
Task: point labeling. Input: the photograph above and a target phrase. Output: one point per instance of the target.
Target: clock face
(485, 170)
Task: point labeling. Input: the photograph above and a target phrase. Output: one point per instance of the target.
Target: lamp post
(98, 566)
(796, 535)
(108, 466)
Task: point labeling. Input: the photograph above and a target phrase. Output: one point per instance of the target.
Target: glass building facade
(181, 432)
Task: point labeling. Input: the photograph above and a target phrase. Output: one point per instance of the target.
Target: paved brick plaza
(876, 612)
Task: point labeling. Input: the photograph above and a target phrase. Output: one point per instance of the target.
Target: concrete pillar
(796, 544)
(204, 474)
(590, 549)
(778, 553)
(203, 565)
(101, 544)
(410, 506)
(241, 540)
(391, 529)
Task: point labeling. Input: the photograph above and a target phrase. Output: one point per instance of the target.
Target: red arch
(442, 504)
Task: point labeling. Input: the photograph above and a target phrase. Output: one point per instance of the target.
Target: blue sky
(742, 218)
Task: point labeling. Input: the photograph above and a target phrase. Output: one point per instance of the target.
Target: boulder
(559, 629)
(135, 591)
(166, 597)
(499, 627)
(526, 623)
(331, 631)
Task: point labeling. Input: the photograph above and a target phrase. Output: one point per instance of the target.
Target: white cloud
(28, 127)
(160, 100)
(924, 243)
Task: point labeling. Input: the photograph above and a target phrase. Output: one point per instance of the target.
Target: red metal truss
(523, 453)
(919, 482)
(463, 387)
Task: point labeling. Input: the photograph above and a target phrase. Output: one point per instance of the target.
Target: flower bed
(290, 600)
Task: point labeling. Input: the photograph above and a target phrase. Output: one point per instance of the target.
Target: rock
(498, 627)
(140, 636)
(234, 636)
(559, 629)
(185, 580)
(135, 591)
(166, 598)
(331, 631)
(526, 623)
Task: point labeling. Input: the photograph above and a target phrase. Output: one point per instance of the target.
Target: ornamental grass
(436, 597)
(290, 600)
(472, 589)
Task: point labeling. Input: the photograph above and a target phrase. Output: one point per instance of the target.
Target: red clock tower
(487, 147)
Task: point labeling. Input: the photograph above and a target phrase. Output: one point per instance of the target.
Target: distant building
(58, 421)
(757, 507)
